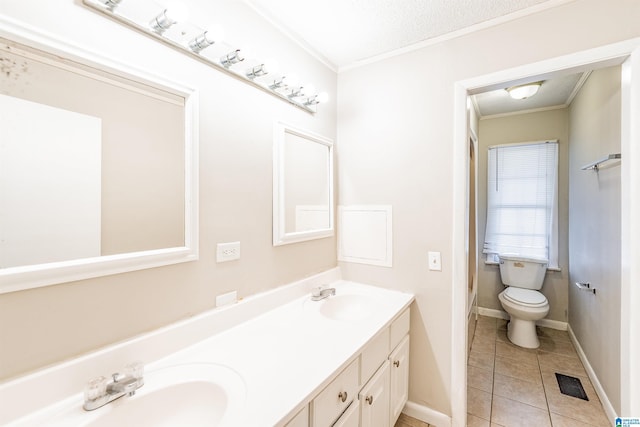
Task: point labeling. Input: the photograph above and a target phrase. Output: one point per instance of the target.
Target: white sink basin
(194, 394)
(346, 307)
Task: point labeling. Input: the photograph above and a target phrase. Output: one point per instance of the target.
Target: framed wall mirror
(98, 164)
(302, 185)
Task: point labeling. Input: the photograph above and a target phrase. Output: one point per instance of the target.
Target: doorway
(629, 52)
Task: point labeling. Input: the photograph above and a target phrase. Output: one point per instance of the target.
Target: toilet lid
(527, 297)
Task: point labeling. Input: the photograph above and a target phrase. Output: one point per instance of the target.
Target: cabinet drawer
(374, 355)
(399, 328)
(336, 397)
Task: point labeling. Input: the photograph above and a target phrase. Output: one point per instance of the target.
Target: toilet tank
(522, 272)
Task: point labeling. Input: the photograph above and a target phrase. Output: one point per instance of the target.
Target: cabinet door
(399, 389)
(374, 399)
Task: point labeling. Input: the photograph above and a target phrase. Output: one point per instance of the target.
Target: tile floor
(508, 386)
(406, 421)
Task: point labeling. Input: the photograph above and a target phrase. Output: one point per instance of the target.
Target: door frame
(608, 55)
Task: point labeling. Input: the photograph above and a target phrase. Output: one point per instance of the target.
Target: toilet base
(523, 333)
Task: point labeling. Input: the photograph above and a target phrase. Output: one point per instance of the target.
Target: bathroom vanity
(277, 358)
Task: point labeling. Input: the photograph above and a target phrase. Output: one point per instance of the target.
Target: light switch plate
(227, 251)
(434, 261)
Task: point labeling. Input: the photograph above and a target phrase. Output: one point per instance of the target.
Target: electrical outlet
(434, 261)
(227, 251)
(226, 299)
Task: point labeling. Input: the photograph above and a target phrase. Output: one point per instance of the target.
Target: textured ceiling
(343, 32)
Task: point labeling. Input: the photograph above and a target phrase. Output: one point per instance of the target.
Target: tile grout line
(493, 377)
(544, 388)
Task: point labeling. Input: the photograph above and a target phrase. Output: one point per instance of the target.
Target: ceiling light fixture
(524, 91)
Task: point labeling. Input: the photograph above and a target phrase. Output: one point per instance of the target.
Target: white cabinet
(331, 402)
(399, 388)
(374, 399)
(372, 390)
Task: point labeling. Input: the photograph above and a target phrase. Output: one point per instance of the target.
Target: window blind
(522, 200)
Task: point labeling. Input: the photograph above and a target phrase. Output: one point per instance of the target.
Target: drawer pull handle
(396, 363)
(343, 396)
(369, 400)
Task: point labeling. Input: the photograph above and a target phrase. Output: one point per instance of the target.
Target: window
(522, 201)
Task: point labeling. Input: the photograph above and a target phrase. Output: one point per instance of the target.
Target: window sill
(497, 264)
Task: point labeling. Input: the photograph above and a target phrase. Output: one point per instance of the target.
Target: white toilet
(523, 277)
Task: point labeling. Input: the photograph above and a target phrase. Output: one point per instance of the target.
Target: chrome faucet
(321, 292)
(100, 391)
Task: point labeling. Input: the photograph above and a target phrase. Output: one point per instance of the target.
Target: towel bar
(585, 286)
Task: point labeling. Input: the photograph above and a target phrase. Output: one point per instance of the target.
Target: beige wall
(594, 229)
(398, 114)
(538, 126)
(43, 326)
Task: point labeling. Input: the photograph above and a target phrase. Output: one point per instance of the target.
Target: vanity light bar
(260, 76)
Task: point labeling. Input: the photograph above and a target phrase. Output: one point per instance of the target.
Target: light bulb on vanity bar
(171, 15)
(111, 4)
(210, 36)
(320, 98)
(268, 66)
(305, 90)
(288, 81)
(235, 56)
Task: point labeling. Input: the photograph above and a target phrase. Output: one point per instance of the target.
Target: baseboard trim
(553, 324)
(426, 414)
(499, 314)
(604, 399)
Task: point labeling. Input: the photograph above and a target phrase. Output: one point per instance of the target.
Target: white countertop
(284, 356)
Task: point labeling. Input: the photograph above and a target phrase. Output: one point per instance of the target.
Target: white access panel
(365, 234)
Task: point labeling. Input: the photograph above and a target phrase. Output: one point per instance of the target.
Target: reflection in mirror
(303, 185)
(96, 165)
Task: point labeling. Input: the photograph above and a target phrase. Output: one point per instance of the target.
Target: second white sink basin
(344, 306)
(348, 307)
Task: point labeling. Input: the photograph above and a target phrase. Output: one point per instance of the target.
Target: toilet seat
(525, 297)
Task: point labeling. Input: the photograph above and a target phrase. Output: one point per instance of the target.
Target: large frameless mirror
(302, 185)
(98, 165)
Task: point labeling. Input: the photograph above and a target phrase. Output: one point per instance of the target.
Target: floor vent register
(571, 386)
